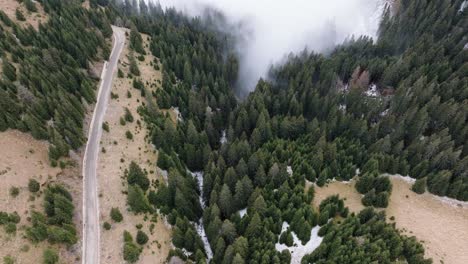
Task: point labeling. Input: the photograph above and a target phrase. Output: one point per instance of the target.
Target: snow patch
(223, 138)
(405, 178)
(463, 6)
(372, 91)
(201, 232)
(385, 112)
(342, 108)
(451, 201)
(177, 111)
(289, 170)
(242, 212)
(297, 250)
(164, 174)
(199, 226)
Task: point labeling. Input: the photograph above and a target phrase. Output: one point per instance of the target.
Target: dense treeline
(44, 86)
(365, 109)
(414, 123)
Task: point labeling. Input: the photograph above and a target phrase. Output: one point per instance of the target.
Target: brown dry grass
(442, 227)
(117, 157)
(22, 157)
(33, 19)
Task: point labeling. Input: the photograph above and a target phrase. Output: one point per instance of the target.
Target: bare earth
(22, 157)
(440, 225)
(116, 159)
(33, 19)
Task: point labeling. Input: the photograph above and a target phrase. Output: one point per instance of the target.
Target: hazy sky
(274, 28)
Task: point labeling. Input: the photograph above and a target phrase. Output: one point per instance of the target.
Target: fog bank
(271, 29)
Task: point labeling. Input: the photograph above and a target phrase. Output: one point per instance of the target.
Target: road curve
(90, 182)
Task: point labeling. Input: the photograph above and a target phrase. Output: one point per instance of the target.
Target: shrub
(137, 84)
(105, 126)
(14, 218)
(116, 215)
(10, 228)
(127, 236)
(30, 5)
(137, 200)
(107, 226)
(135, 175)
(19, 15)
(131, 252)
(122, 121)
(129, 135)
(120, 73)
(8, 260)
(14, 191)
(141, 237)
(128, 115)
(419, 186)
(50, 256)
(33, 186)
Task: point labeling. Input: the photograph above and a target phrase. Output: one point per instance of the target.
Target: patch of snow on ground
(358, 171)
(466, 46)
(223, 138)
(405, 178)
(243, 212)
(199, 226)
(164, 174)
(342, 107)
(177, 111)
(201, 232)
(372, 91)
(289, 170)
(385, 112)
(451, 201)
(297, 250)
(463, 6)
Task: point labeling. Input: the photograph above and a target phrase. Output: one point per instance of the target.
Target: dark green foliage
(116, 215)
(135, 175)
(44, 92)
(141, 237)
(120, 73)
(19, 15)
(8, 260)
(14, 191)
(137, 200)
(33, 185)
(131, 252)
(419, 186)
(133, 65)
(105, 126)
(372, 241)
(30, 5)
(10, 228)
(57, 224)
(127, 236)
(106, 226)
(129, 135)
(50, 256)
(136, 42)
(128, 115)
(303, 118)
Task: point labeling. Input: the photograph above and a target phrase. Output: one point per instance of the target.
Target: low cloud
(271, 29)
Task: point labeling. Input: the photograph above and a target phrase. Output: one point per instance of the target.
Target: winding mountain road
(90, 182)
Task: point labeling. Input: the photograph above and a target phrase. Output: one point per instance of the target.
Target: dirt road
(90, 188)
